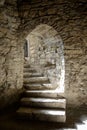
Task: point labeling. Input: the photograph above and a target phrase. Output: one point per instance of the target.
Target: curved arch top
(44, 30)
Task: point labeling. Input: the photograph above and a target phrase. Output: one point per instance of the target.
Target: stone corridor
(55, 33)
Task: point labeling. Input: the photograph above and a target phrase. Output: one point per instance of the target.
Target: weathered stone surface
(11, 64)
(43, 102)
(68, 18)
(45, 93)
(42, 114)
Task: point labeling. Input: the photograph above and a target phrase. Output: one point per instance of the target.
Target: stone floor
(75, 121)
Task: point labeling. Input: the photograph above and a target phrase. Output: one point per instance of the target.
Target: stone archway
(46, 54)
(44, 91)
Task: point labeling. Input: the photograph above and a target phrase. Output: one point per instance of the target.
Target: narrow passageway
(43, 77)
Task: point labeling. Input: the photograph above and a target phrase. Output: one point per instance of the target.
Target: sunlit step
(29, 70)
(27, 74)
(42, 114)
(41, 86)
(44, 93)
(36, 80)
(26, 65)
(44, 102)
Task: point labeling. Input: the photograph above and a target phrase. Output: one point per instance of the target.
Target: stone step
(44, 93)
(36, 80)
(43, 102)
(31, 70)
(26, 65)
(42, 114)
(27, 74)
(41, 86)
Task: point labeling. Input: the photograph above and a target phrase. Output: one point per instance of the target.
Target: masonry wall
(11, 53)
(68, 18)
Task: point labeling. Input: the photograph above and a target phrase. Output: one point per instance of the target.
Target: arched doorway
(46, 54)
(44, 94)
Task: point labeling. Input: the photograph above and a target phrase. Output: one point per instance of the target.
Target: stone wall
(11, 54)
(68, 18)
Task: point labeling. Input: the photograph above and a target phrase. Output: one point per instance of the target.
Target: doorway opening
(44, 76)
(44, 51)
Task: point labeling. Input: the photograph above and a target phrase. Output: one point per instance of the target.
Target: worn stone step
(41, 86)
(36, 80)
(29, 70)
(44, 93)
(42, 114)
(44, 102)
(27, 74)
(26, 65)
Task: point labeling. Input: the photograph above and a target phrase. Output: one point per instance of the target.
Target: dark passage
(9, 121)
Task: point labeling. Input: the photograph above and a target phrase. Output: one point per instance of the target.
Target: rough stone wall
(10, 54)
(69, 18)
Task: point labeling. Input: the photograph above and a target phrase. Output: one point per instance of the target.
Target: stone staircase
(41, 101)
